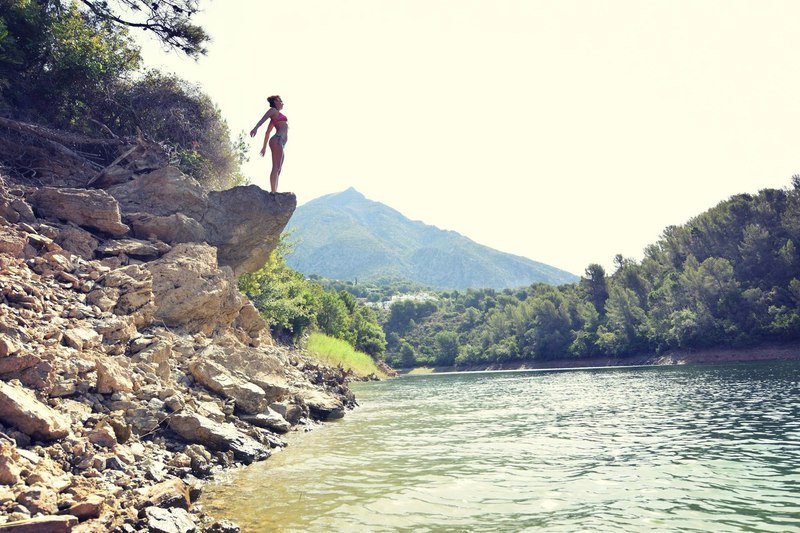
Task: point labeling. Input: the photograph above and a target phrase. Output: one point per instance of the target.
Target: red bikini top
(280, 118)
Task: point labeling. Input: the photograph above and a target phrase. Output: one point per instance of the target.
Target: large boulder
(134, 248)
(12, 242)
(322, 405)
(78, 241)
(172, 520)
(217, 436)
(248, 397)
(19, 408)
(245, 223)
(40, 524)
(191, 292)
(92, 209)
(173, 492)
(13, 208)
(171, 229)
(131, 293)
(114, 374)
(263, 367)
(163, 192)
(270, 420)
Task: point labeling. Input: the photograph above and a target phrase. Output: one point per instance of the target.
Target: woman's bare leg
(277, 162)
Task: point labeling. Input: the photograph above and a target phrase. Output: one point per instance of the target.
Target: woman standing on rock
(278, 121)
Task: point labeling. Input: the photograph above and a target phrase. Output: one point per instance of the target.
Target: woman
(278, 121)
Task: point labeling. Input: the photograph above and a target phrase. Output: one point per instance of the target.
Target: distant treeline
(729, 277)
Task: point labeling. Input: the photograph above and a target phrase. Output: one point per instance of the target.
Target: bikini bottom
(281, 139)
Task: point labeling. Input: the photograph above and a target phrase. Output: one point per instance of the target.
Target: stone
(41, 524)
(217, 436)
(39, 499)
(116, 329)
(15, 210)
(144, 250)
(135, 297)
(105, 298)
(7, 346)
(169, 520)
(10, 470)
(11, 242)
(322, 405)
(6, 495)
(274, 387)
(113, 175)
(163, 192)
(21, 409)
(245, 223)
(89, 507)
(250, 320)
(144, 421)
(262, 368)
(192, 292)
(158, 355)
(200, 460)
(77, 241)
(82, 338)
(174, 404)
(181, 460)
(113, 375)
(270, 420)
(93, 209)
(122, 431)
(223, 526)
(248, 397)
(172, 229)
(291, 412)
(37, 376)
(52, 478)
(170, 493)
(115, 463)
(103, 436)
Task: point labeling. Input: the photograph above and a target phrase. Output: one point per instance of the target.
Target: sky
(565, 131)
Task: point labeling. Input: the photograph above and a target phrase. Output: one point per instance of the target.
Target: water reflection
(679, 448)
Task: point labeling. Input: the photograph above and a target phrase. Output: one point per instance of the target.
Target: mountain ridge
(345, 235)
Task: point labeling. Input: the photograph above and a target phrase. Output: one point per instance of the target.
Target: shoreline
(767, 352)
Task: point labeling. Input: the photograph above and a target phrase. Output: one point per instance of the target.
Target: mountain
(347, 236)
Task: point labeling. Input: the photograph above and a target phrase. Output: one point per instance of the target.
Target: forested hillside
(728, 277)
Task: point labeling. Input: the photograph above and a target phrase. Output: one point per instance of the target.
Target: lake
(679, 448)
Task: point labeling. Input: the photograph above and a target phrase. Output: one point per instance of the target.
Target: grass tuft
(421, 370)
(334, 352)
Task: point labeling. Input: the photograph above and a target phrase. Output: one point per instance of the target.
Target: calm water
(694, 448)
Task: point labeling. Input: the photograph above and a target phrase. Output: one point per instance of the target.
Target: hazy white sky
(566, 131)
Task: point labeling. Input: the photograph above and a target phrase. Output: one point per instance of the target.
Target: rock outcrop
(88, 208)
(229, 221)
(130, 364)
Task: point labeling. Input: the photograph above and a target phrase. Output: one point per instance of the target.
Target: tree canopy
(729, 277)
(168, 20)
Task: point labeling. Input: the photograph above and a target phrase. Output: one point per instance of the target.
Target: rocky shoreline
(131, 367)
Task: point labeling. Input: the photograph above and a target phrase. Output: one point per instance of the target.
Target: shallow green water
(694, 448)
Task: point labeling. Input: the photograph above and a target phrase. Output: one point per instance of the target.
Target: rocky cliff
(130, 365)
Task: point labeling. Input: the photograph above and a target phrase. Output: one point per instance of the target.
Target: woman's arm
(269, 114)
(266, 139)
